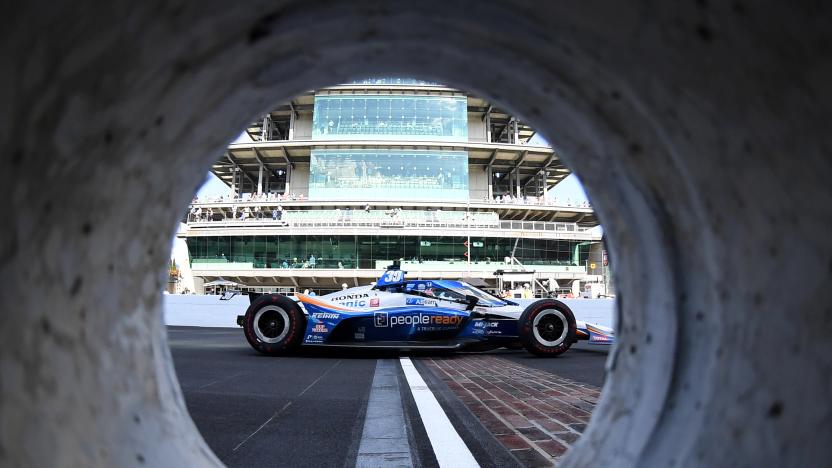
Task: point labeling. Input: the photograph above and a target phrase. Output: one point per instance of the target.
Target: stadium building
(339, 182)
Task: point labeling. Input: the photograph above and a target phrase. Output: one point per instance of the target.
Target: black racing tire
(274, 324)
(547, 328)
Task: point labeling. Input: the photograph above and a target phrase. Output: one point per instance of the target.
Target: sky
(569, 188)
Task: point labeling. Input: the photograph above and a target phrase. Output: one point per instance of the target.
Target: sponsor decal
(356, 303)
(484, 324)
(359, 336)
(314, 339)
(480, 309)
(374, 302)
(414, 301)
(593, 338)
(325, 315)
(320, 328)
(380, 319)
(349, 296)
(420, 286)
(423, 319)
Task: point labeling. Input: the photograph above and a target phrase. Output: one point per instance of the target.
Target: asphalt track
(308, 409)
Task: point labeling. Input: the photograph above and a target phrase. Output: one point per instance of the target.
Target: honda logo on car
(350, 296)
(382, 319)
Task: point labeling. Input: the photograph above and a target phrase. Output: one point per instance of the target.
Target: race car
(414, 314)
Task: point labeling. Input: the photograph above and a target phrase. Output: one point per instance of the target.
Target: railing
(272, 200)
(289, 223)
(243, 262)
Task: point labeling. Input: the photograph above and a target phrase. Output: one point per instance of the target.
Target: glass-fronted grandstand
(339, 182)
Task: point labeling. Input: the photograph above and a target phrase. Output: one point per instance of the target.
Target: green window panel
(390, 117)
(381, 175)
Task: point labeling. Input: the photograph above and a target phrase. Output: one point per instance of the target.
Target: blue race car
(413, 314)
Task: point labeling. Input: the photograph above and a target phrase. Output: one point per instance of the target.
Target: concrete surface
(700, 131)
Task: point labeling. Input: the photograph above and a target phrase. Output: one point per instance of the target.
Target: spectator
(312, 261)
(285, 264)
(340, 266)
(279, 212)
(367, 208)
(274, 214)
(312, 293)
(344, 285)
(257, 213)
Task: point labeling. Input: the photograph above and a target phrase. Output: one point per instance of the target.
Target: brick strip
(534, 414)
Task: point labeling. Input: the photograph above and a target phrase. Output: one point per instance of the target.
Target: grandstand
(339, 182)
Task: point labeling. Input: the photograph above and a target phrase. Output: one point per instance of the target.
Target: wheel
(547, 328)
(274, 324)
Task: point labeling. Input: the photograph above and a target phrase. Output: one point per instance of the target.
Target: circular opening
(668, 115)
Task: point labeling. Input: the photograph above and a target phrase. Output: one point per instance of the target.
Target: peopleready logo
(383, 320)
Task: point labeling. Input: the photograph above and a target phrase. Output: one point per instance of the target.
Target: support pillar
(490, 175)
(260, 180)
(517, 179)
(267, 128)
(516, 132)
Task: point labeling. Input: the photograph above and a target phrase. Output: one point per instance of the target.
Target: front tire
(274, 324)
(547, 328)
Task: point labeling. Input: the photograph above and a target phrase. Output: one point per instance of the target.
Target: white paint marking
(449, 448)
(276, 414)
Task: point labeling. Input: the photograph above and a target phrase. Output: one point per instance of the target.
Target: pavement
(504, 408)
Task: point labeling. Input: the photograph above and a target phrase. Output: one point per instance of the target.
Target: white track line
(449, 448)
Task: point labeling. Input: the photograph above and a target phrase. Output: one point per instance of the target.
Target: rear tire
(274, 324)
(547, 328)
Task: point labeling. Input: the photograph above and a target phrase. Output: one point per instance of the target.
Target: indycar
(414, 314)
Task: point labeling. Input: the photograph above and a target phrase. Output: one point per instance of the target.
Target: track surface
(308, 409)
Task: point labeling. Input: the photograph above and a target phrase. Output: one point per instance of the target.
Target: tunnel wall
(699, 130)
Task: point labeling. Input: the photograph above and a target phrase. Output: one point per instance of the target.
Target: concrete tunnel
(700, 131)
